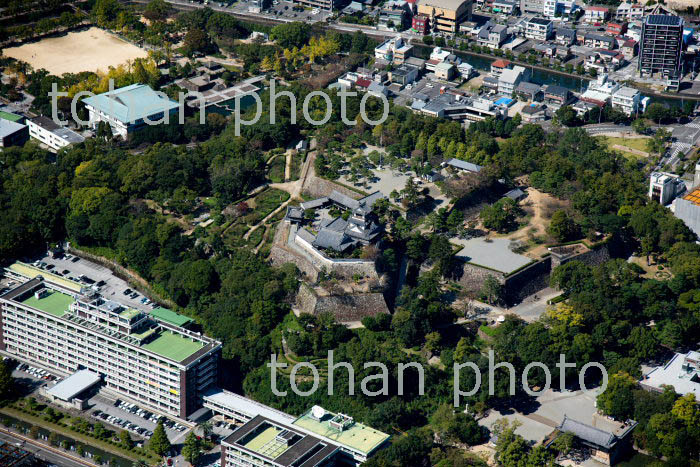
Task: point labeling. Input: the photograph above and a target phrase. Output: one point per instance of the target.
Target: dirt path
(288, 165)
(293, 188)
(620, 147)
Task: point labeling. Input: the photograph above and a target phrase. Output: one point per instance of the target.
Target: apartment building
(539, 29)
(492, 35)
(661, 45)
(420, 24)
(552, 8)
(157, 364)
(535, 7)
(509, 80)
(595, 14)
(129, 109)
(504, 6)
(629, 11)
(46, 131)
(664, 188)
(446, 15)
(629, 100)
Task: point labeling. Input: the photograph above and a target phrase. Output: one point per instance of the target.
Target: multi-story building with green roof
(152, 361)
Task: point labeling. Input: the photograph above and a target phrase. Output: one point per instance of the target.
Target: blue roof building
(127, 109)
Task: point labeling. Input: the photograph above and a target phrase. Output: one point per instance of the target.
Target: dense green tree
(191, 450)
(617, 400)
(159, 443)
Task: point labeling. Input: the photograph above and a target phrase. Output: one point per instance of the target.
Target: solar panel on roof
(663, 20)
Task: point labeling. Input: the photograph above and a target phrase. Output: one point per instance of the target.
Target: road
(684, 138)
(42, 452)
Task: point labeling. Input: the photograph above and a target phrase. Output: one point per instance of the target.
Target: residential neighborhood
(338, 233)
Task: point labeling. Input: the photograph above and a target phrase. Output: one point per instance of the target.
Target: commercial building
(595, 14)
(539, 29)
(660, 46)
(682, 373)
(446, 15)
(54, 136)
(129, 109)
(664, 188)
(162, 366)
(12, 133)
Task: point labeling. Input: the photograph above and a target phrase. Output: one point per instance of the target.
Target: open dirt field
(90, 50)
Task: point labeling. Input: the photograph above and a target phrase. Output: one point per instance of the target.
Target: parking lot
(89, 273)
(278, 9)
(131, 417)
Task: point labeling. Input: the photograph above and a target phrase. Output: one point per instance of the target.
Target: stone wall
(280, 255)
(473, 277)
(528, 281)
(319, 187)
(591, 257)
(345, 308)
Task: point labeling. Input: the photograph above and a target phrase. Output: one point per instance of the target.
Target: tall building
(660, 46)
(158, 364)
(664, 188)
(446, 15)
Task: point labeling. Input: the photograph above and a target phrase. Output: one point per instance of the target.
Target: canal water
(89, 451)
(538, 76)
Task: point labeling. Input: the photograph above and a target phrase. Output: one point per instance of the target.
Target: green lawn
(55, 303)
(639, 144)
(276, 170)
(173, 346)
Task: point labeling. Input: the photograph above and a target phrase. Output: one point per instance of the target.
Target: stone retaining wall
(345, 308)
(319, 187)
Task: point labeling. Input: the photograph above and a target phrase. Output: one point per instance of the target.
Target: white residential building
(553, 8)
(595, 14)
(509, 80)
(539, 29)
(54, 136)
(664, 188)
(629, 100)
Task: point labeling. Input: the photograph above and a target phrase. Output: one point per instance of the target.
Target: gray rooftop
(245, 406)
(464, 165)
(528, 87)
(8, 128)
(588, 433)
(74, 385)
